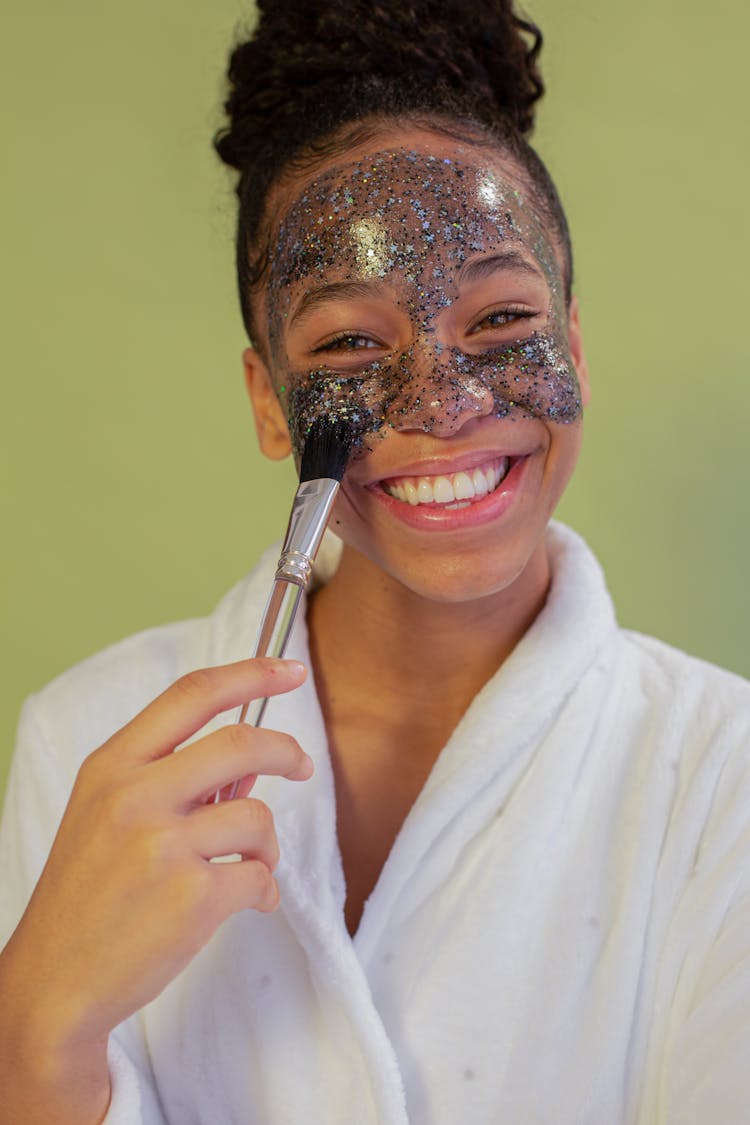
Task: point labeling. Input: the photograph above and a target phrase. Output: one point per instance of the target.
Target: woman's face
(415, 291)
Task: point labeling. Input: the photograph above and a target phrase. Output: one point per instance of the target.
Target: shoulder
(98, 695)
(653, 688)
(691, 723)
(84, 706)
(66, 720)
(690, 690)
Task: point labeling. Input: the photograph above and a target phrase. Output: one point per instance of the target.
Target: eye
(347, 342)
(497, 318)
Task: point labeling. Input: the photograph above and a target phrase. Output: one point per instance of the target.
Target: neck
(380, 649)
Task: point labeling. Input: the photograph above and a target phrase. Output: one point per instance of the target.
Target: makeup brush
(324, 459)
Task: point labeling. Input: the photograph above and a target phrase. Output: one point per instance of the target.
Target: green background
(133, 492)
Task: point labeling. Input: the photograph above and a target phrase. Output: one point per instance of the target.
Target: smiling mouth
(452, 490)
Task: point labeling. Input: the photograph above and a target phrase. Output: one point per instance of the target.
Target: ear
(270, 423)
(575, 340)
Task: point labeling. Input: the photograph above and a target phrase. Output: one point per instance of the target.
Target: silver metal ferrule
(307, 522)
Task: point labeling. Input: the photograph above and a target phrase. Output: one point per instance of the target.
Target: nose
(437, 393)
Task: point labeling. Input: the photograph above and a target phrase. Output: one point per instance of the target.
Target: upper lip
(446, 466)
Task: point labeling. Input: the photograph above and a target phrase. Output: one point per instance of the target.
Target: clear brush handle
(307, 522)
(275, 630)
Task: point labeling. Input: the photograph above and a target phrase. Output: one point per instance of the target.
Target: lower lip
(429, 517)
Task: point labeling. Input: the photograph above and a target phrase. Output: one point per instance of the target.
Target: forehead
(406, 211)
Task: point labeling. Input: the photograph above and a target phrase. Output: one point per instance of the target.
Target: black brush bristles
(327, 447)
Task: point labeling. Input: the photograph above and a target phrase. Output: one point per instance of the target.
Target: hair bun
(305, 54)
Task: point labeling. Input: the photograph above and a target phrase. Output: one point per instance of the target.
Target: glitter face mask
(411, 221)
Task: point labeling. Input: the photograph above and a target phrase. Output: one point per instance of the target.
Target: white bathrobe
(561, 933)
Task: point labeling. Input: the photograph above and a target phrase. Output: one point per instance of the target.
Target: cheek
(535, 376)
(360, 401)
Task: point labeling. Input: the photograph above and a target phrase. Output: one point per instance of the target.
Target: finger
(235, 827)
(192, 700)
(226, 756)
(245, 885)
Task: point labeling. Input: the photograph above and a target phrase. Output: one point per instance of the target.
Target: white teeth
(480, 482)
(442, 491)
(463, 486)
(424, 491)
(452, 491)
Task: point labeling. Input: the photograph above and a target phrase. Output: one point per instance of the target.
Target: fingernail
(282, 664)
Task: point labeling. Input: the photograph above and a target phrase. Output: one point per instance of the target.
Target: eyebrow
(336, 291)
(506, 260)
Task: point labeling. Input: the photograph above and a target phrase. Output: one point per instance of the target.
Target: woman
(513, 884)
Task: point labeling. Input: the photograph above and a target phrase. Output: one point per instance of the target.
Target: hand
(128, 895)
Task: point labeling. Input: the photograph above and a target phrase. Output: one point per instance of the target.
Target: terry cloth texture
(561, 933)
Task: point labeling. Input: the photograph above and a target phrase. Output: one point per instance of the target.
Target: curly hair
(318, 76)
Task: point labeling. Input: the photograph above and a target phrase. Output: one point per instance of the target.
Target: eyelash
(340, 337)
(509, 314)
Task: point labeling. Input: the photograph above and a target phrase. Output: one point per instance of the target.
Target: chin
(460, 589)
(511, 570)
